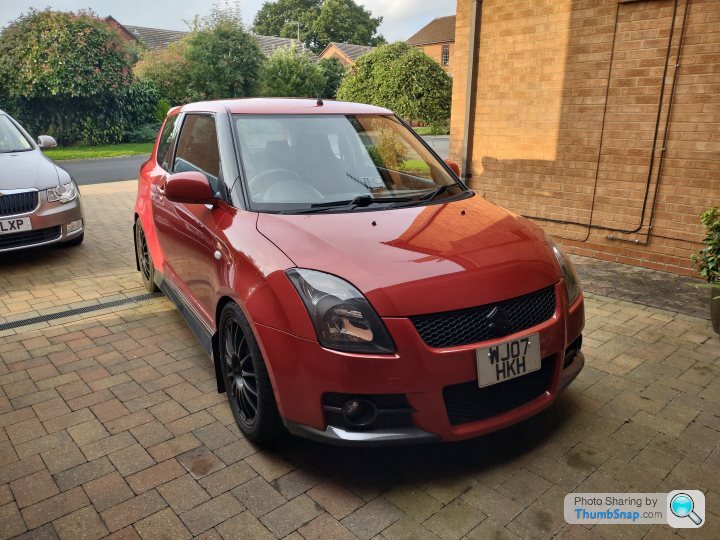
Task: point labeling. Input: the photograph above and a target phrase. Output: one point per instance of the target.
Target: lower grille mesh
(29, 238)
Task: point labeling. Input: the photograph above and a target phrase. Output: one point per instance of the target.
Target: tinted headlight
(572, 282)
(64, 193)
(343, 318)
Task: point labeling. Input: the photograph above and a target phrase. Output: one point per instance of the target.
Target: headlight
(343, 318)
(572, 282)
(64, 193)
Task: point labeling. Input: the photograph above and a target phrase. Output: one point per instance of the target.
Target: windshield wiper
(437, 192)
(15, 151)
(361, 201)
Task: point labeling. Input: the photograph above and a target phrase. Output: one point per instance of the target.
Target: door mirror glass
(46, 141)
(189, 188)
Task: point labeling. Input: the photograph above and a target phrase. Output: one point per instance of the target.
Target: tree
(57, 64)
(402, 78)
(334, 71)
(320, 22)
(289, 72)
(218, 59)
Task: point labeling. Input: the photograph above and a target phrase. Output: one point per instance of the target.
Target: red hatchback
(348, 287)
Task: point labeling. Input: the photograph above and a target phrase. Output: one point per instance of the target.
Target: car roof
(281, 106)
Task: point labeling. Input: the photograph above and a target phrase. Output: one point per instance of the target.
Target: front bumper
(49, 225)
(303, 372)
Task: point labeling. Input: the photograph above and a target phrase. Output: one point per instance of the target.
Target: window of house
(445, 55)
(197, 148)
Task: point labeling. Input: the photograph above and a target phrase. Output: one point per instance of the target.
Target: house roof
(440, 30)
(158, 38)
(353, 52)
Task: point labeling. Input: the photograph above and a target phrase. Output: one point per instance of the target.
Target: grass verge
(100, 151)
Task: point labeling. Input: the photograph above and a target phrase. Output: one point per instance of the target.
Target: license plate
(508, 360)
(9, 226)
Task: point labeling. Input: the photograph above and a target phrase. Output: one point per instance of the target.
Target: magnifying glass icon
(682, 506)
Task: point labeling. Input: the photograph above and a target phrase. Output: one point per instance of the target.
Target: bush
(707, 260)
(144, 133)
(402, 78)
(289, 72)
(60, 78)
(334, 71)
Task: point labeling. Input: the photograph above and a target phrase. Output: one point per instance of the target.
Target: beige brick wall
(570, 115)
(435, 52)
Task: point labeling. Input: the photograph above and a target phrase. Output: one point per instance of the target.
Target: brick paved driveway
(110, 424)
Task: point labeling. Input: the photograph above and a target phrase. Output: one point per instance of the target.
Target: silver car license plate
(508, 360)
(9, 226)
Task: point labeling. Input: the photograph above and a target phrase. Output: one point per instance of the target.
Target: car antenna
(319, 102)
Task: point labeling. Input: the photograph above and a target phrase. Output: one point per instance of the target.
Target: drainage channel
(78, 311)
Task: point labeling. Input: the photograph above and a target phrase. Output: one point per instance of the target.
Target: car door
(187, 233)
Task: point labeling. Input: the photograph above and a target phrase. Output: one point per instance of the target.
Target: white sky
(402, 18)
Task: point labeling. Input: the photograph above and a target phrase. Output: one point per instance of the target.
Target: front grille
(29, 238)
(453, 328)
(18, 203)
(466, 402)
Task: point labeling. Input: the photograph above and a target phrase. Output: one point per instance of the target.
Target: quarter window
(197, 148)
(445, 57)
(167, 137)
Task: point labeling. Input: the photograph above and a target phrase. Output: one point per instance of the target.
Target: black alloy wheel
(147, 269)
(247, 383)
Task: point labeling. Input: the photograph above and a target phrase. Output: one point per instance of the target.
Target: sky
(401, 18)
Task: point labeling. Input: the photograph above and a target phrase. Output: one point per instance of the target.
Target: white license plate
(508, 360)
(9, 226)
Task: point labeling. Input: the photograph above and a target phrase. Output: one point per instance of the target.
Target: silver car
(39, 202)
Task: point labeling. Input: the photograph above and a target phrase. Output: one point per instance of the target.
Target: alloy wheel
(240, 378)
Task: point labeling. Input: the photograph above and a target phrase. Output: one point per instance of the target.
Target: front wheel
(247, 383)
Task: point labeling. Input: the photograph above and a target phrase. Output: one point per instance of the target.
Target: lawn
(100, 151)
(427, 130)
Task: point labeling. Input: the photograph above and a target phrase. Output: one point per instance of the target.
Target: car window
(11, 140)
(167, 137)
(197, 148)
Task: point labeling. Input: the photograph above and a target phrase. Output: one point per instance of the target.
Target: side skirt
(205, 336)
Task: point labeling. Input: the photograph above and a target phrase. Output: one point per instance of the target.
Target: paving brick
(107, 491)
(454, 520)
(215, 435)
(131, 459)
(155, 475)
(269, 466)
(132, 510)
(173, 447)
(294, 483)
(410, 499)
(109, 410)
(33, 488)
(183, 493)
(211, 513)
(20, 468)
(244, 525)
(11, 522)
(26, 430)
(163, 524)
(54, 507)
(258, 496)
(87, 432)
(62, 458)
(200, 462)
(83, 473)
(128, 421)
(151, 433)
(84, 523)
(227, 478)
(325, 526)
(108, 445)
(291, 515)
(373, 518)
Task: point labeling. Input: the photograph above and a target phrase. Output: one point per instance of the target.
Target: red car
(348, 287)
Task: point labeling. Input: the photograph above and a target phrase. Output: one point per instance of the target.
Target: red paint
(406, 261)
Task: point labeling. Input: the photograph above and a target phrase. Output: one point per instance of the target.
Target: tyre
(147, 269)
(77, 240)
(247, 383)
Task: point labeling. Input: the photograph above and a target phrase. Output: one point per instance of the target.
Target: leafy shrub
(334, 71)
(289, 72)
(402, 78)
(707, 260)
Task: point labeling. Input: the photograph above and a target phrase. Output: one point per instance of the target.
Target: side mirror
(189, 188)
(454, 167)
(46, 141)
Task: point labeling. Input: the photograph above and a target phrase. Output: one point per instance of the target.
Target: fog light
(74, 226)
(359, 412)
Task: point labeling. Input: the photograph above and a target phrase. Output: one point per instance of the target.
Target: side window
(167, 137)
(197, 148)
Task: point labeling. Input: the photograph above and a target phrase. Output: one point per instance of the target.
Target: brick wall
(571, 112)
(435, 52)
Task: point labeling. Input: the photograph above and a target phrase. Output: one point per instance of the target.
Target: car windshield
(324, 162)
(11, 140)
